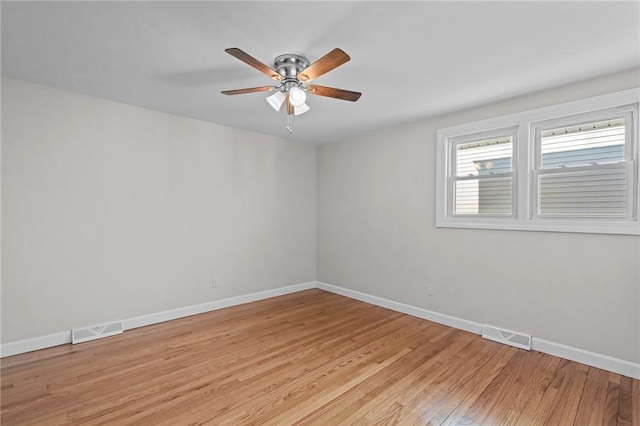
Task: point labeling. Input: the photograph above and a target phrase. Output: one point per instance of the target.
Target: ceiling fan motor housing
(288, 66)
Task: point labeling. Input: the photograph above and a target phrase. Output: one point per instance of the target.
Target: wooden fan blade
(249, 90)
(331, 92)
(290, 108)
(331, 60)
(250, 60)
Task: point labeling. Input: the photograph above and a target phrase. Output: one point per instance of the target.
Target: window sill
(617, 228)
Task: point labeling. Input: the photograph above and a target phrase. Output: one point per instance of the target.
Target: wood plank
(311, 358)
(402, 386)
(489, 407)
(635, 402)
(612, 398)
(550, 397)
(570, 394)
(625, 405)
(593, 398)
(463, 394)
(361, 396)
(527, 403)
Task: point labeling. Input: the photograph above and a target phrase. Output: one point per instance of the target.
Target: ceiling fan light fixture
(298, 110)
(297, 96)
(276, 100)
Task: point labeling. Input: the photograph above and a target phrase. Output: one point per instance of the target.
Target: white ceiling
(410, 60)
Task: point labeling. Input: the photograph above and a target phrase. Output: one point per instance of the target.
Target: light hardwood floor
(307, 358)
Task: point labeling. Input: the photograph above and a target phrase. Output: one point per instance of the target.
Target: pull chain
(289, 128)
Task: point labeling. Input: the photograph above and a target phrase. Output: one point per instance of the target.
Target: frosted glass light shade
(276, 100)
(297, 96)
(297, 110)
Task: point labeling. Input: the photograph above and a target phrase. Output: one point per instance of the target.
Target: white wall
(376, 234)
(111, 211)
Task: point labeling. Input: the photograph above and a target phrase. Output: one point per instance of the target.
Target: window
(582, 169)
(568, 168)
(482, 182)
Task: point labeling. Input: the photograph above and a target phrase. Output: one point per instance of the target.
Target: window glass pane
(599, 142)
(489, 196)
(484, 157)
(599, 192)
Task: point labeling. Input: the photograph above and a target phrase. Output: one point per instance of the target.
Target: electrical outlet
(214, 283)
(430, 289)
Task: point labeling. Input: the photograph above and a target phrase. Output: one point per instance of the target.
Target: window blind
(599, 192)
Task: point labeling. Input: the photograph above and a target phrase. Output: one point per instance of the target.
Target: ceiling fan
(294, 72)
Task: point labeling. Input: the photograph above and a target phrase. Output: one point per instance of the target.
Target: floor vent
(79, 335)
(508, 337)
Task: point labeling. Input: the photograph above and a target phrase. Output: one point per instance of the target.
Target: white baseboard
(35, 343)
(615, 365)
(605, 362)
(64, 337)
(187, 311)
(462, 324)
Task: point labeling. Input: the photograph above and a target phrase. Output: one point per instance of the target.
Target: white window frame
(525, 166)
